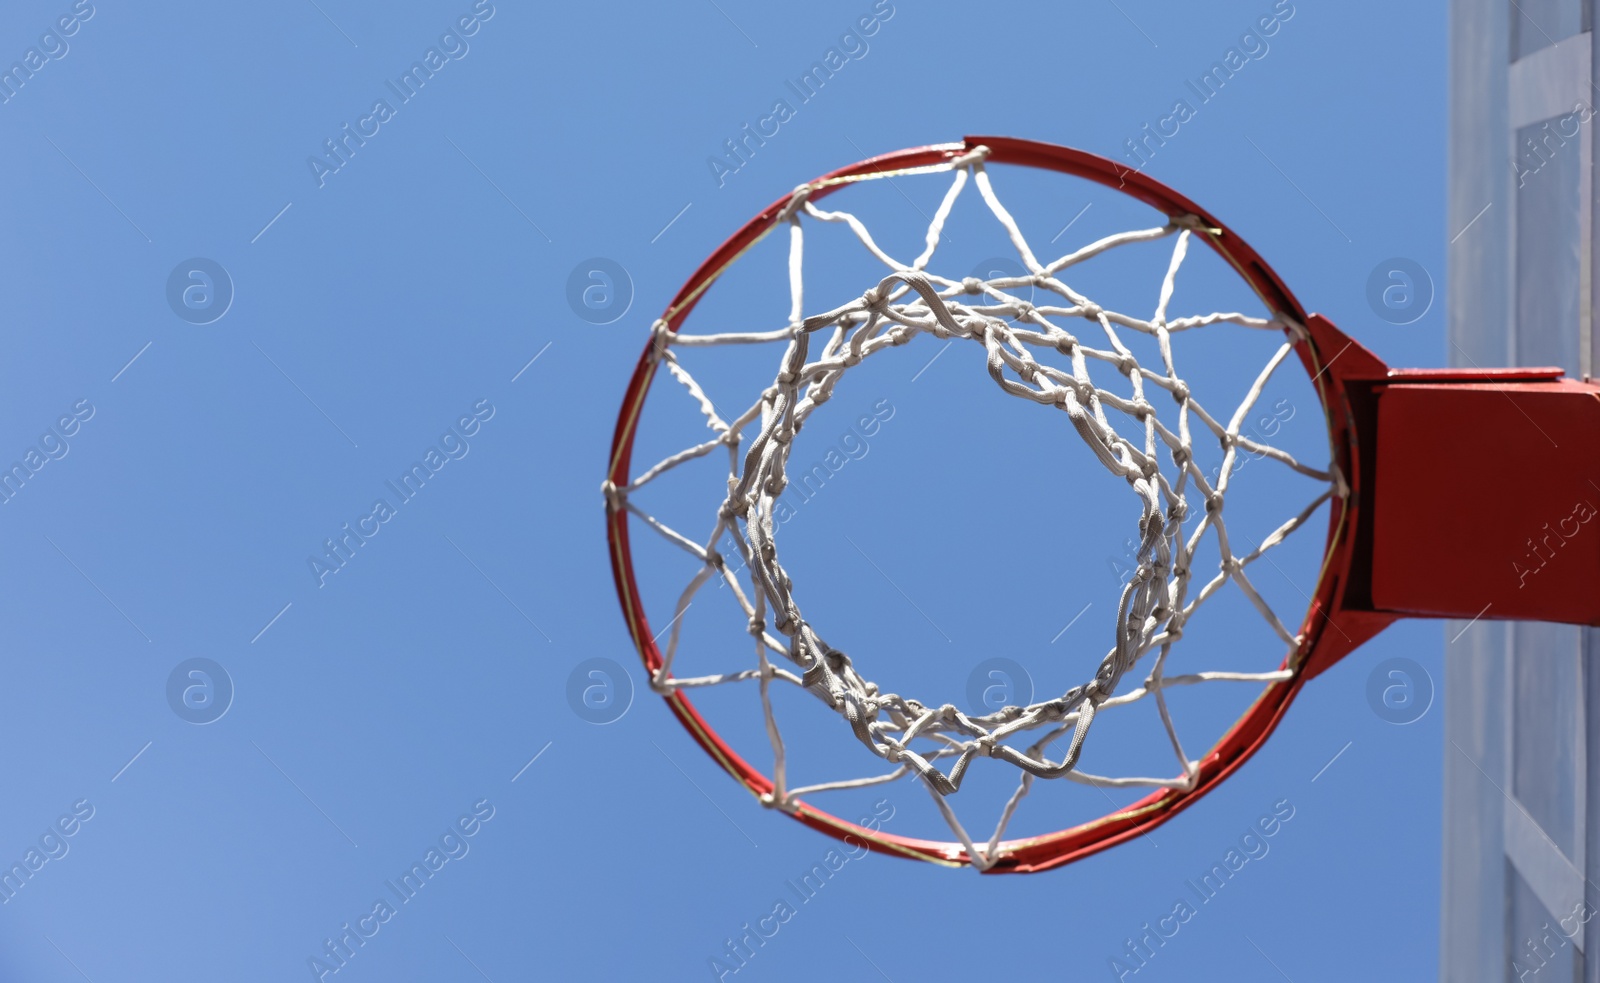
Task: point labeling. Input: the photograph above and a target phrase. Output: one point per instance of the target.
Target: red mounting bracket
(1479, 489)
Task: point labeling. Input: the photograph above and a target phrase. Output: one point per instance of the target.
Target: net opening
(1148, 444)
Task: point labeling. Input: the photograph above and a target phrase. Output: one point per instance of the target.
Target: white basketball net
(910, 301)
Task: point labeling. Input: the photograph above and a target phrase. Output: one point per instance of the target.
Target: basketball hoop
(1393, 547)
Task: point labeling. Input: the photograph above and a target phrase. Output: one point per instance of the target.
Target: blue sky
(427, 296)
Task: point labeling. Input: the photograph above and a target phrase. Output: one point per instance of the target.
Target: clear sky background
(375, 305)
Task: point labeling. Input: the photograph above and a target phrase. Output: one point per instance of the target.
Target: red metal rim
(1251, 730)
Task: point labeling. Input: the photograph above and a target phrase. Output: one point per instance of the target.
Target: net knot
(1180, 392)
(876, 299)
(1024, 311)
(972, 285)
(1127, 365)
(1067, 345)
(660, 333)
(1195, 223)
(974, 156)
(1340, 487)
(1214, 503)
(798, 199)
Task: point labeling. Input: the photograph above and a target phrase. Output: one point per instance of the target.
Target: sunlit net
(1151, 448)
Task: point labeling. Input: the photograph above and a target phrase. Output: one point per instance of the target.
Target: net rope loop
(910, 300)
